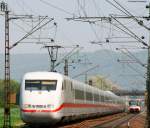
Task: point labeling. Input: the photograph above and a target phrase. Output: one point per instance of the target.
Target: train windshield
(47, 85)
(134, 102)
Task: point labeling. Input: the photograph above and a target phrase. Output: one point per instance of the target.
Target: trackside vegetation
(15, 112)
(15, 117)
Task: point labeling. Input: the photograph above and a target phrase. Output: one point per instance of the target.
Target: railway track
(117, 123)
(111, 121)
(91, 123)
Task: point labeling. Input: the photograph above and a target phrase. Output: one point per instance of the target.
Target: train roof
(42, 72)
(42, 75)
(46, 74)
(109, 92)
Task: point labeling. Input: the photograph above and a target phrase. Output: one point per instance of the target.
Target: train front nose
(39, 116)
(35, 117)
(38, 99)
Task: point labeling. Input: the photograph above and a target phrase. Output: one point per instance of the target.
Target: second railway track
(117, 123)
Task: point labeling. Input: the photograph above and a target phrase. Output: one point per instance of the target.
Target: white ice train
(49, 97)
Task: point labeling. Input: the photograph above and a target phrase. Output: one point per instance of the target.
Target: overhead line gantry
(128, 15)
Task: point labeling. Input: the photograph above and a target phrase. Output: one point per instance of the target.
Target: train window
(79, 94)
(102, 98)
(89, 96)
(96, 97)
(40, 85)
(32, 85)
(48, 85)
(105, 99)
(108, 99)
(133, 102)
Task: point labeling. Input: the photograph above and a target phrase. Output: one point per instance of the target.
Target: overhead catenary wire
(113, 29)
(82, 8)
(14, 14)
(125, 11)
(137, 60)
(126, 32)
(56, 7)
(132, 34)
(110, 30)
(129, 13)
(28, 33)
(130, 55)
(137, 1)
(25, 22)
(34, 29)
(85, 14)
(21, 19)
(137, 71)
(68, 55)
(82, 73)
(117, 7)
(24, 7)
(41, 40)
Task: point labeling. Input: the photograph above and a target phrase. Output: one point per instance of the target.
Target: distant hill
(119, 73)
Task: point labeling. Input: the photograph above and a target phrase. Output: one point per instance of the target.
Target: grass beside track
(15, 117)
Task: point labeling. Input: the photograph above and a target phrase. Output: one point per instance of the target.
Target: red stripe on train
(70, 105)
(30, 110)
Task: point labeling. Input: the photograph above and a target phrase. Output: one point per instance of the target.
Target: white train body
(48, 97)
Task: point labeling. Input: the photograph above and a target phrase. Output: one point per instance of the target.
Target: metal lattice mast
(7, 115)
(148, 92)
(7, 120)
(66, 67)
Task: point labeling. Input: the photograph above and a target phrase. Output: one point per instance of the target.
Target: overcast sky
(70, 33)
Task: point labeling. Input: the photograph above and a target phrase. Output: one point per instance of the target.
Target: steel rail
(118, 122)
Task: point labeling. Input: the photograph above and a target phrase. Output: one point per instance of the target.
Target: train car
(134, 106)
(50, 97)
